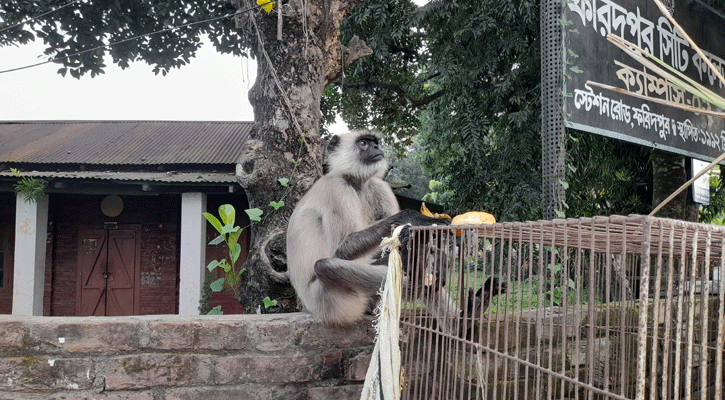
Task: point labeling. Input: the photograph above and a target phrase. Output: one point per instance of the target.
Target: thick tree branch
(402, 93)
(355, 50)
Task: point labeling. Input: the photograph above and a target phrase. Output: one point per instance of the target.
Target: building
(120, 230)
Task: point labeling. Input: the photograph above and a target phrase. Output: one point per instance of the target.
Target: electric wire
(106, 46)
(40, 15)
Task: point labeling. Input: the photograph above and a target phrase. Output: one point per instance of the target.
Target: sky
(213, 87)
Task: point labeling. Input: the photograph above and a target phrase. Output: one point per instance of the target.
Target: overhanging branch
(401, 92)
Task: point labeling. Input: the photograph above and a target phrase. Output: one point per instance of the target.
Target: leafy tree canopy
(465, 74)
(78, 26)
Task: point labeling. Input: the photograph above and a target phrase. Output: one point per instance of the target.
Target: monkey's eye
(363, 144)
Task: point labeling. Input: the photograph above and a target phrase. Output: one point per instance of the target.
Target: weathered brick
(89, 335)
(263, 369)
(38, 373)
(148, 370)
(348, 392)
(314, 333)
(203, 334)
(11, 332)
(332, 365)
(253, 391)
(274, 335)
(115, 396)
(358, 367)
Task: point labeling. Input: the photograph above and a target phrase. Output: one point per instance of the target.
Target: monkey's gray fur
(336, 228)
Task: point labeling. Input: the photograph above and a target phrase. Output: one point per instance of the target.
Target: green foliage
(385, 89)
(714, 213)
(255, 214)
(228, 234)
(88, 25)
(483, 135)
(406, 168)
(480, 141)
(607, 176)
(33, 189)
(269, 303)
(553, 289)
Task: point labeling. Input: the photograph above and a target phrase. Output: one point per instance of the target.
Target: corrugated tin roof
(162, 177)
(123, 142)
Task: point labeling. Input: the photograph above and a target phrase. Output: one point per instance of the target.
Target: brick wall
(277, 356)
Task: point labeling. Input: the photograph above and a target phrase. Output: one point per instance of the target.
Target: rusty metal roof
(161, 177)
(123, 142)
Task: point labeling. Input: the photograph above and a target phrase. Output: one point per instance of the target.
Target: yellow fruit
(425, 211)
(267, 5)
(473, 218)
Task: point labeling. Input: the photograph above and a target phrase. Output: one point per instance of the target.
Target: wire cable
(38, 16)
(105, 46)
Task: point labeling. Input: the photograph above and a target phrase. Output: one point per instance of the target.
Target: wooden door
(108, 269)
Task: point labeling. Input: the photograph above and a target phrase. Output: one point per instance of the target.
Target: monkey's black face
(369, 148)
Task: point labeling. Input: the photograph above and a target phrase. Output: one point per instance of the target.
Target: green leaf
(576, 69)
(213, 264)
(217, 285)
(571, 283)
(228, 214)
(216, 311)
(254, 214)
(216, 240)
(276, 204)
(234, 237)
(564, 184)
(241, 271)
(555, 269)
(269, 303)
(283, 181)
(235, 252)
(560, 214)
(225, 266)
(229, 229)
(214, 221)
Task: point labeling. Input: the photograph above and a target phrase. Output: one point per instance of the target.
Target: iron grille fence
(602, 308)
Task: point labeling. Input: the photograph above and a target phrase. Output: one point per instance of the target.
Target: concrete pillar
(31, 233)
(193, 252)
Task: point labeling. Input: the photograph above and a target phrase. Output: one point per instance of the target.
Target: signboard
(589, 56)
(701, 186)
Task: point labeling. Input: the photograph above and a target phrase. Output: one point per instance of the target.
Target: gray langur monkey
(336, 229)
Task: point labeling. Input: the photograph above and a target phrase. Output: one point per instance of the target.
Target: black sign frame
(589, 56)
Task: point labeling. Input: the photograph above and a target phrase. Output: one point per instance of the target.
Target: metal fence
(602, 308)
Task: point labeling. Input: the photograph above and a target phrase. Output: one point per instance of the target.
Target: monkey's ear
(334, 144)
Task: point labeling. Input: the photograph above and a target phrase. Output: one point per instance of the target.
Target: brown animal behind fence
(602, 308)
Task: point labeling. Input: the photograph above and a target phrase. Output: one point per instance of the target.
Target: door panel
(122, 274)
(92, 259)
(108, 267)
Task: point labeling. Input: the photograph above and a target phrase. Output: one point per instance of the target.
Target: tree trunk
(669, 172)
(291, 76)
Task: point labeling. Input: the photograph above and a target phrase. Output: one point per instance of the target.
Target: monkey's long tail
(383, 380)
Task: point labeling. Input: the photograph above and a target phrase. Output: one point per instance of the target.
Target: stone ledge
(177, 357)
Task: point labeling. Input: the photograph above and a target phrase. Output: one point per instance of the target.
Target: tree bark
(669, 172)
(285, 141)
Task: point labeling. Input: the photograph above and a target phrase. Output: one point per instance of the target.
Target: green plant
(555, 293)
(229, 234)
(32, 189)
